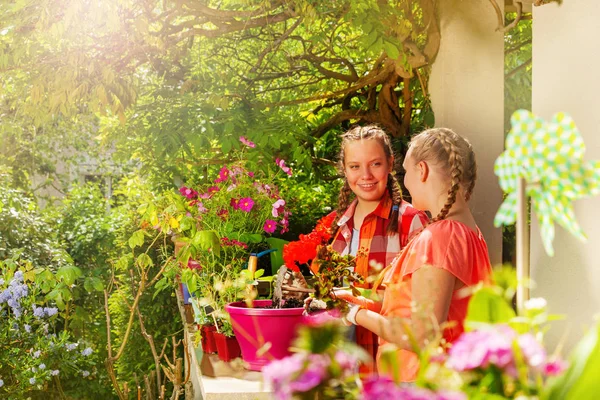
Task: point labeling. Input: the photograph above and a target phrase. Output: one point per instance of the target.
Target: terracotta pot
(208, 338)
(255, 327)
(227, 347)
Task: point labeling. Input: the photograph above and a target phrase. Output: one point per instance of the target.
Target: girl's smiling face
(367, 168)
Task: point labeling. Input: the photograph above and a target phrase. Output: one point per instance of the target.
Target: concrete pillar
(566, 56)
(467, 95)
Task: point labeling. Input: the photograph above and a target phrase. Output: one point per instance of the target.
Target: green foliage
(40, 355)
(581, 379)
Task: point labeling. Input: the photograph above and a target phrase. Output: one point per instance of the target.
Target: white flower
(537, 303)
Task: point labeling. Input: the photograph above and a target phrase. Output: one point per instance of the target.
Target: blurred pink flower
(188, 192)
(278, 207)
(234, 204)
(478, 349)
(296, 374)
(247, 142)
(223, 175)
(555, 367)
(281, 164)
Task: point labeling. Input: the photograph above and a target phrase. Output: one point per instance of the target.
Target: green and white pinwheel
(550, 158)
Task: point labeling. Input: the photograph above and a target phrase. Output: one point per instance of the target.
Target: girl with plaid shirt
(371, 214)
(424, 287)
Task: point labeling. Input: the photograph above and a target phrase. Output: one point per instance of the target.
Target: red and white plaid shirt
(379, 247)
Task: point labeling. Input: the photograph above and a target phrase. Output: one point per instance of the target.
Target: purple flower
(201, 207)
(478, 349)
(380, 388)
(270, 226)
(281, 164)
(50, 311)
(87, 351)
(188, 192)
(71, 346)
(347, 362)
(27, 328)
(246, 204)
(383, 388)
(18, 277)
(54, 372)
(223, 175)
(314, 373)
(534, 353)
(85, 373)
(42, 366)
(1, 383)
(36, 354)
(247, 142)
(278, 373)
(555, 367)
(278, 207)
(32, 381)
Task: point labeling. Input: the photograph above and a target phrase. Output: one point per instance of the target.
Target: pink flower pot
(208, 338)
(269, 330)
(227, 347)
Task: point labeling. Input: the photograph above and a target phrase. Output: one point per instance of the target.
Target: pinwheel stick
(523, 270)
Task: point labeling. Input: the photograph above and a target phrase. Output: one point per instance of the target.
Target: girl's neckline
(473, 231)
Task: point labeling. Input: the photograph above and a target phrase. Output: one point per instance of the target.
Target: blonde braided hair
(453, 153)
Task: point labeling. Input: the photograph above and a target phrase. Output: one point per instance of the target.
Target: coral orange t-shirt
(446, 244)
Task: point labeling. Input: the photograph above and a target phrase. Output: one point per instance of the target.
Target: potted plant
(227, 345)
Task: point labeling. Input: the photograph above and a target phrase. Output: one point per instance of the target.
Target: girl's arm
(432, 291)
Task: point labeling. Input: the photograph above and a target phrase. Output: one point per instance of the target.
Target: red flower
(303, 250)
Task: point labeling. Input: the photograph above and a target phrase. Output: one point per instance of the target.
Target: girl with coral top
(371, 214)
(446, 256)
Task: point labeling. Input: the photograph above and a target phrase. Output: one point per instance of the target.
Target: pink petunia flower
(281, 164)
(555, 367)
(247, 142)
(270, 226)
(188, 192)
(278, 207)
(223, 175)
(246, 204)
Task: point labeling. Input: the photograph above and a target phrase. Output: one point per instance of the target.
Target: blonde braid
(396, 195)
(346, 197)
(471, 174)
(455, 161)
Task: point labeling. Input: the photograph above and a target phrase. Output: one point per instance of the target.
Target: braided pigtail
(343, 203)
(470, 174)
(456, 173)
(395, 192)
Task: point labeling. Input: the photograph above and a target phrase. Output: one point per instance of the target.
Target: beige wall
(467, 94)
(566, 59)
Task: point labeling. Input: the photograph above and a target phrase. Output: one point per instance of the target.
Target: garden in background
(123, 124)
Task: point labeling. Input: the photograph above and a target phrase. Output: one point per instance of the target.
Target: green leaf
(488, 306)
(255, 238)
(68, 274)
(391, 50)
(136, 239)
(144, 261)
(581, 379)
(92, 284)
